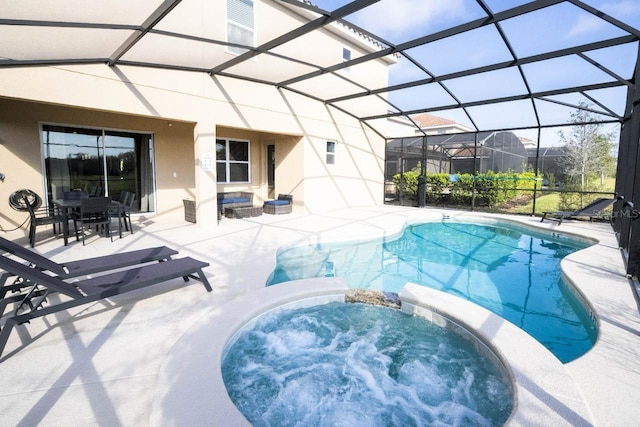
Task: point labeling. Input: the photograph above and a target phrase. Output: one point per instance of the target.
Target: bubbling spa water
(358, 364)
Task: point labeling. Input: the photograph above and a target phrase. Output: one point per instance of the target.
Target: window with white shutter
(240, 25)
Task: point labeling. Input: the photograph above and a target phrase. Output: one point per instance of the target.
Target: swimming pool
(509, 270)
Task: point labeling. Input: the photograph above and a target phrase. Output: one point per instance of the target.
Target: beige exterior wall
(199, 108)
(21, 156)
(288, 159)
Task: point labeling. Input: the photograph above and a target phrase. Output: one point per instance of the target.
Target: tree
(587, 148)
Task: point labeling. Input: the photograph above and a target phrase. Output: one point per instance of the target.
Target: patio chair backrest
(95, 191)
(41, 212)
(30, 209)
(123, 197)
(95, 205)
(31, 257)
(288, 197)
(130, 200)
(597, 206)
(74, 195)
(36, 276)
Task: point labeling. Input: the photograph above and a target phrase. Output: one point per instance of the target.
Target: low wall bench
(282, 205)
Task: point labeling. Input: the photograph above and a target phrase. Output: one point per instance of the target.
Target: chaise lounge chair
(32, 304)
(594, 209)
(80, 267)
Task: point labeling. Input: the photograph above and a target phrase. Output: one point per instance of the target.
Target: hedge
(491, 188)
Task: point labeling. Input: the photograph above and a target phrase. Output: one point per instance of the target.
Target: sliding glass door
(109, 162)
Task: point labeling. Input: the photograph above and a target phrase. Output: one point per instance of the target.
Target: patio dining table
(67, 205)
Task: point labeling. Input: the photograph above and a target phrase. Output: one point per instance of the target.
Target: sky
(553, 28)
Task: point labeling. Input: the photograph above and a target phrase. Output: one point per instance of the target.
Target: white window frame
(228, 162)
(233, 23)
(330, 158)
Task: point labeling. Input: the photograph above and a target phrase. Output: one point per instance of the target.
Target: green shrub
(436, 185)
(491, 188)
(568, 200)
(462, 190)
(407, 184)
(552, 180)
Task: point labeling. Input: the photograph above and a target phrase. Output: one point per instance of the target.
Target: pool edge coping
(545, 392)
(190, 389)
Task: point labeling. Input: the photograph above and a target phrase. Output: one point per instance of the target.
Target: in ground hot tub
(341, 363)
(190, 388)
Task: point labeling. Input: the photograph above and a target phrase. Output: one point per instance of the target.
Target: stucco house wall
(21, 157)
(186, 112)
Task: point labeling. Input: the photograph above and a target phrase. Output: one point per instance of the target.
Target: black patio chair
(33, 303)
(95, 191)
(41, 216)
(94, 211)
(117, 209)
(128, 207)
(74, 195)
(122, 210)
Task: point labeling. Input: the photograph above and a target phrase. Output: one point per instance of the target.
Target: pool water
(358, 364)
(513, 272)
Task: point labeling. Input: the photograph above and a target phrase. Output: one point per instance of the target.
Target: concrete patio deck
(99, 364)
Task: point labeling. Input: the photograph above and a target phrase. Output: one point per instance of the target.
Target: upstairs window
(240, 25)
(346, 56)
(331, 153)
(232, 161)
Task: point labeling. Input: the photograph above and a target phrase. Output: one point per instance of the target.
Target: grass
(547, 201)
(544, 203)
(551, 201)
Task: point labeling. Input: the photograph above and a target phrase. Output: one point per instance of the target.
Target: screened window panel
(221, 149)
(239, 151)
(239, 172)
(153, 49)
(270, 68)
(433, 44)
(221, 171)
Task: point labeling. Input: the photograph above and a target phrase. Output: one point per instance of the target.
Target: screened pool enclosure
(497, 68)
